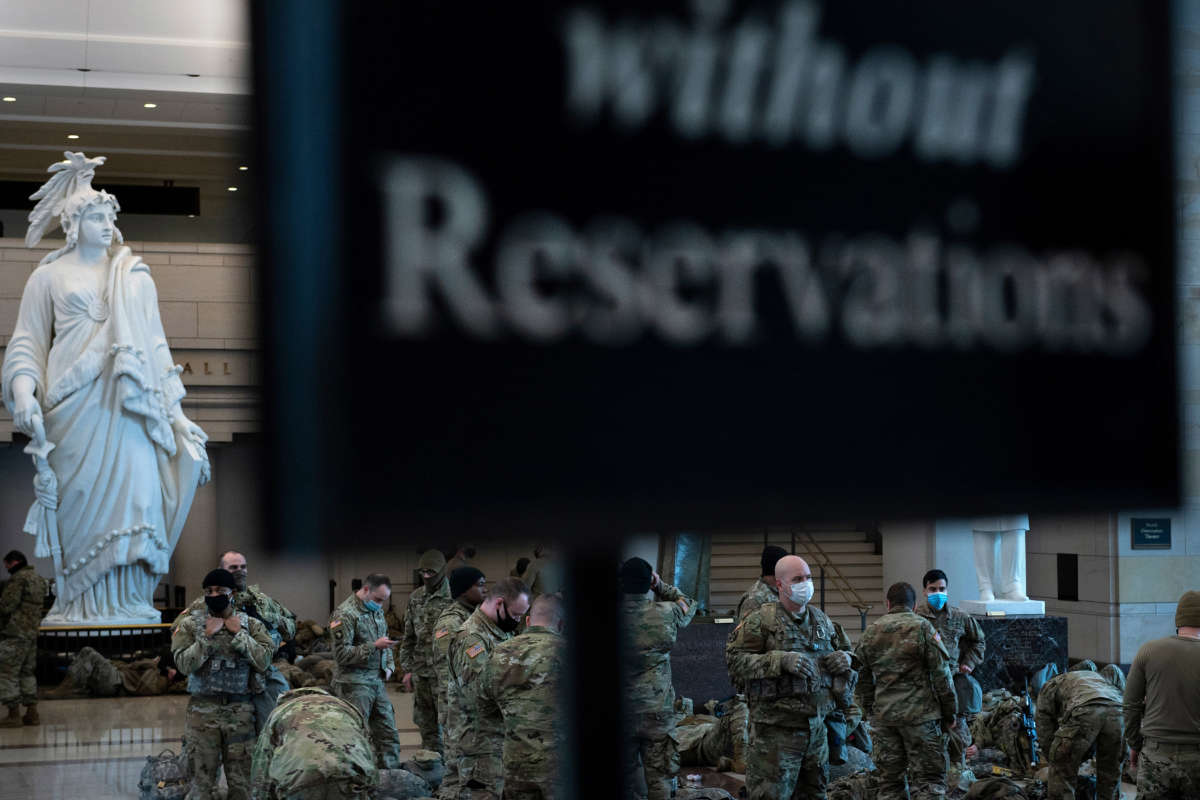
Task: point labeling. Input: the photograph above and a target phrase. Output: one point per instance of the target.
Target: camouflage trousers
(372, 702)
(18, 657)
(1099, 725)
(910, 757)
(959, 739)
(219, 734)
(425, 712)
(788, 763)
(1168, 771)
(454, 732)
(94, 673)
(527, 788)
(652, 750)
(331, 790)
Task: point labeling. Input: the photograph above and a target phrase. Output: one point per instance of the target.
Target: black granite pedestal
(1016, 646)
(698, 662)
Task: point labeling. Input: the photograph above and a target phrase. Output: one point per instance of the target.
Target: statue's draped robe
(95, 348)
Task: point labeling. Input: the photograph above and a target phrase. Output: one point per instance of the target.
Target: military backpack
(166, 776)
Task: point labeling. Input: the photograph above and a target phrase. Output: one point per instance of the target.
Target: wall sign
(1150, 533)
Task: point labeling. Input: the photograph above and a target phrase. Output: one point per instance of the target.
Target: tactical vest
(226, 671)
(813, 639)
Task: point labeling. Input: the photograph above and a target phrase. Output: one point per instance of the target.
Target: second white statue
(88, 376)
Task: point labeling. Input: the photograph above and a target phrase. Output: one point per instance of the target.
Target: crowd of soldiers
(484, 663)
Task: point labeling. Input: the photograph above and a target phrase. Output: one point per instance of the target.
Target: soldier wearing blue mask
(964, 640)
(362, 654)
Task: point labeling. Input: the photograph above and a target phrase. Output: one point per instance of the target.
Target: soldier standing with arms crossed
(904, 687)
(21, 611)
(778, 653)
(964, 641)
(425, 605)
(362, 655)
(219, 649)
(468, 586)
(650, 626)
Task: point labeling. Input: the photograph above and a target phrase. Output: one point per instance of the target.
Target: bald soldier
(425, 605)
(781, 653)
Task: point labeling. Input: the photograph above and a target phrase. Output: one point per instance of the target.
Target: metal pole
(863, 614)
(822, 588)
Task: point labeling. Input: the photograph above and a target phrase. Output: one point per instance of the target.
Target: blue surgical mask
(371, 605)
(937, 600)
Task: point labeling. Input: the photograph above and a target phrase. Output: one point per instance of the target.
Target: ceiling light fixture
(243, 168)
(233, 188)
(72, 135)
(149, 105)
(191, 216)
(10, 99)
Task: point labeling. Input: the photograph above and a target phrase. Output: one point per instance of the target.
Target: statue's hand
(190, 430)
(25, 409)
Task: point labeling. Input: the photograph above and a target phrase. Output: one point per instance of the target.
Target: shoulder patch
(474, 650)
(937, 637)
(683, 604)
(739, 626)
(441, 633)
(334, 624)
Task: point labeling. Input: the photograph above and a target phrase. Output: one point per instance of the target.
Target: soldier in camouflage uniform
(480, 765)
(425, 605)
(1077, 711)
(362, 655)
(220, 650)
(964, 640)
(21, 611)
(314, 747)
(783, 654)
(521, 684)
(904, 686)
(468, 586)
(280, 622)
(92, 673)
(764, 590)
(650, 626)
(1003, 726)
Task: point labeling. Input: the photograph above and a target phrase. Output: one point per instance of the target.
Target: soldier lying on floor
(93, 674)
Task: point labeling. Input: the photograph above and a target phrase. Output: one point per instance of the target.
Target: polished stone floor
(96, 748)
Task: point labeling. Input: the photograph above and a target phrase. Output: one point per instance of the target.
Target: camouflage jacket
(1064, 693)
(354, 630)
(543, 576)
(254, 601)
(905, 673)
(961, 634)
(449, 623)
(650, 628)
(521, 684)
(21, 609)
(311, 738)
(755, 654)
(193, 648)
(756, 597)
(416, 648)
(469, 652)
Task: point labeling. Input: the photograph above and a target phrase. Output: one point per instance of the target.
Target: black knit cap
(219, 577)
(462, 579)
(770, 557)
(635, 576)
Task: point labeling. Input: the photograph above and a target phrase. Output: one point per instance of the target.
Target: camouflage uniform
(789, 755)
(102, 677)
(449, 623)
(904, 684)
(963, 639)
(650, 628)
(416, 656)
(704, 740)
(359, 671)
(280, 622)
(521, 683)
(1076, 711)
(1003, 726)
(219, 727)
(20, 614)
(755, 597)
(480, 764)
(314, 747)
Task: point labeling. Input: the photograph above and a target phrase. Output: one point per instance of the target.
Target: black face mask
(13, 569)
(506, 623)
(217, 605)
(469, 552)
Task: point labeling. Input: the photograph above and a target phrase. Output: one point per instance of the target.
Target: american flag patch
(335, 623)
(441, 633)
(474, 650)
(937, 636)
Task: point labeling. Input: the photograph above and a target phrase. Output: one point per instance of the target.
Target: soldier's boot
(31, 716)
(13, 720)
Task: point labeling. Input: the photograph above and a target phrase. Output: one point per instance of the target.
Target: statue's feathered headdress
(68, 192)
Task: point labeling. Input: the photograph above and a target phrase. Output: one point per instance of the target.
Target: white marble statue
(89, 377)
(1009, 581)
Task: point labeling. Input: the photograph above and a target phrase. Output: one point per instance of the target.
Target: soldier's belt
(783, 686)
(1171, 747)
(224, 699)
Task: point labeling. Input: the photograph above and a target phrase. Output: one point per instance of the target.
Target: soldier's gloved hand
(797, 664)
(836, 663)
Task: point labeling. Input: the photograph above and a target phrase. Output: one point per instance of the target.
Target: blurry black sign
(1150, 533)
(664, 262)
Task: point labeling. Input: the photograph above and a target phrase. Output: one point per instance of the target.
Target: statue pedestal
(1009, 607)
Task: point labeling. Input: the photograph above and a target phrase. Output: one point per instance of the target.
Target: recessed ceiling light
(243, 168)
(149, 105)
(191, 216)
(233, 188)
(72, 135)
(10, 99)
